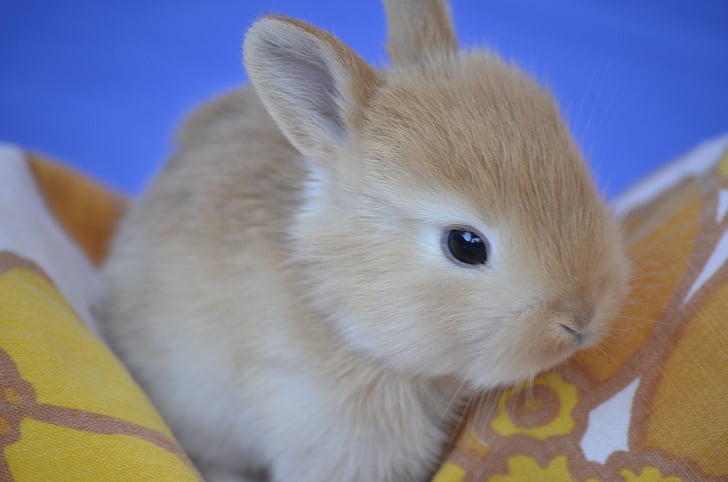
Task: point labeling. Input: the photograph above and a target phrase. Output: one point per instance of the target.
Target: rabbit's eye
(466, 246)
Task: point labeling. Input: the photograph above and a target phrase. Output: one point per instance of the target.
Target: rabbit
(337, 256)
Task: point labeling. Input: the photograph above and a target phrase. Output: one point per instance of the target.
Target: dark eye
(466, 246)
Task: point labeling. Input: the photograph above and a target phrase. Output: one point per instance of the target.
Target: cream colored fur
(282, 292)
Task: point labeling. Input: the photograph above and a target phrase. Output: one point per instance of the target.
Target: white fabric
(29, 230)
(608, 428)
(695, 163)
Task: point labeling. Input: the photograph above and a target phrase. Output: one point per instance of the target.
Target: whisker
(649, 250)
(641, 268)
(636, 318)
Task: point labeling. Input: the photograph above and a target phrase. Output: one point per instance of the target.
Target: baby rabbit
(335, 256)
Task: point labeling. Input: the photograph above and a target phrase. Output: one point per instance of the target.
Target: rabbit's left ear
(313, 85)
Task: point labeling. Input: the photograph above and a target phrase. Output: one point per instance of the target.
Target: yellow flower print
(649, 474)
(522, 468)
(449, 472)
(549, 387)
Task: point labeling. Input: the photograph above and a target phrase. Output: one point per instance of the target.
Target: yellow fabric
(53, 453)
(649, 474)
(449, 472)
(704, 344)
(523, 468)
(68, 409)
(561, 424)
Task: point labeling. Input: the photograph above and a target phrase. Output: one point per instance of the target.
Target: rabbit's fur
(282, 291)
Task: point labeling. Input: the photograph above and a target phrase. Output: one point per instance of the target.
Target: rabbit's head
(449, 225)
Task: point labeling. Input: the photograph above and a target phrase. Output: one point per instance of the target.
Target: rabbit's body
(261, 365)
(286, 291)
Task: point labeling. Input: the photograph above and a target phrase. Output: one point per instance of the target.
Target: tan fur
(419, 30)
(293, 309)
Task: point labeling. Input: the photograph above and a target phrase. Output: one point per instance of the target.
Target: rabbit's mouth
(528, 358)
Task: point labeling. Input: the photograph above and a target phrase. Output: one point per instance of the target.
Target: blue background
(103, 84)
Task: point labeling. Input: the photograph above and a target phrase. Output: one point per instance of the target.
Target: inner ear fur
(313, 85)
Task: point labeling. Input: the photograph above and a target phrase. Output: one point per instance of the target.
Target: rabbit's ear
(313, 85)
(418, 30)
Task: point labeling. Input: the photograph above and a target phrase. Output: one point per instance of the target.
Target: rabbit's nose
(578, 336)
(581, 318)
(576, 313)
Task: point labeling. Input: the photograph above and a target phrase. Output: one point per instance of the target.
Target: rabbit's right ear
(313, 85)
(418, 30)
